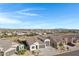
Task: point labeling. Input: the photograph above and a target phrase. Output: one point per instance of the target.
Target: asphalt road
(74, 53)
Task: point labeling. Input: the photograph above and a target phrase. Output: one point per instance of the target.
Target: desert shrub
(60, 44)
(21, 52)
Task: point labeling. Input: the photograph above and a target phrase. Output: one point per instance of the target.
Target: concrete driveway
(49, 51)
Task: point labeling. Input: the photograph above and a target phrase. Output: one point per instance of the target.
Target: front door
(36, 46)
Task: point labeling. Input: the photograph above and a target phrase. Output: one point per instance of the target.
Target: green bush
(61, 44)
(21, 52)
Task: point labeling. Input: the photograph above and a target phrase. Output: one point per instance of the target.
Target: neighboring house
(9, 33)
(57, 40)
(71, 38)
(7, 47)
(20, 47)
(20, 33)
(36, 43)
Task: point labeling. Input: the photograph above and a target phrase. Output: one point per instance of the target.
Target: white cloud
(8, 21)
(29, 14)
(28, 9)
(32, 9)
(24, 12)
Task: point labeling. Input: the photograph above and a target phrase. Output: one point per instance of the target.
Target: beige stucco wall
(10, 49)
(36, 43)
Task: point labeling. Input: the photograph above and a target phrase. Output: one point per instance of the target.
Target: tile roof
(31, 40)
(5, 44)
(42, 38)
(59, 38)
(56, 38)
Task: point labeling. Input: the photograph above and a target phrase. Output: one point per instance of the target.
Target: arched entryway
(47, 42)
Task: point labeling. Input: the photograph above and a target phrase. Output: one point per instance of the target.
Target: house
(36, 43)
(45, 40)
(9, 33)
(19, 33)
(7, 47)
(57, 40)
(71, 38)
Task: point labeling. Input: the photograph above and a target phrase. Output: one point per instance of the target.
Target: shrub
(21, 52)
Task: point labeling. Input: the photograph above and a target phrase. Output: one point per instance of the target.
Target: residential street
(74, 53)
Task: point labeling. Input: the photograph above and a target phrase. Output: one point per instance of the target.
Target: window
(33, 47)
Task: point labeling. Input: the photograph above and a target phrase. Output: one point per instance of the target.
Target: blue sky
(39, 15)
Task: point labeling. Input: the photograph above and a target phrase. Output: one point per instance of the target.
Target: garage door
(42, 46)
(10, 52)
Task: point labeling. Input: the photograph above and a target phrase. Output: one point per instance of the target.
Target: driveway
(49, 51)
